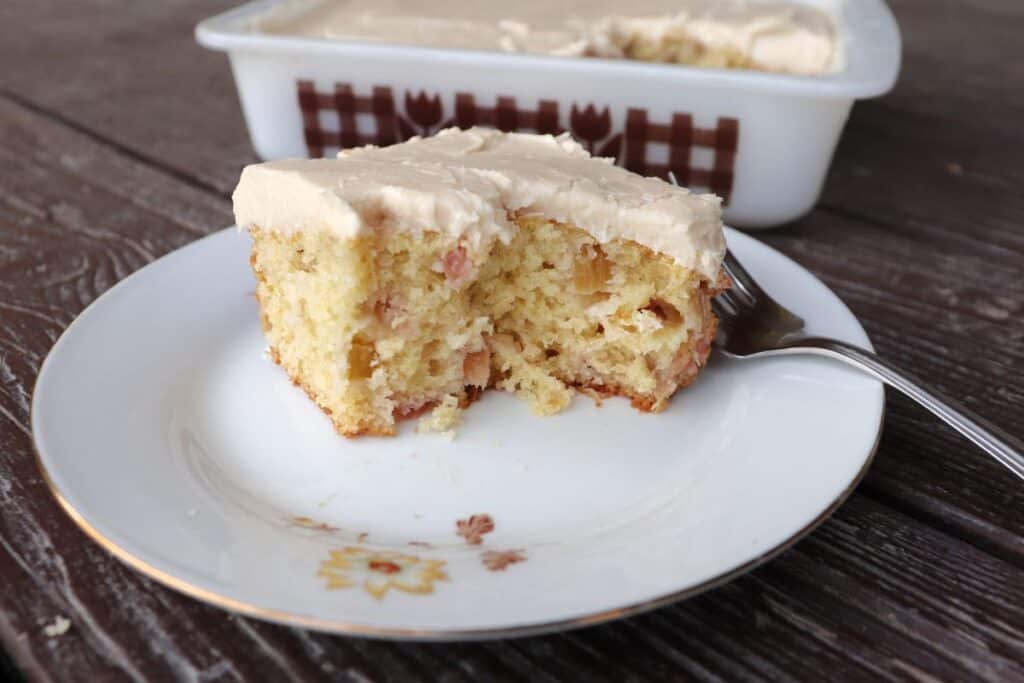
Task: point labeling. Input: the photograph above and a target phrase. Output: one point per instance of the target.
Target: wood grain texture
(131, 74)
(120, 141)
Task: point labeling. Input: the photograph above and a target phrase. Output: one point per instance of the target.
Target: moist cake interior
(382, 328)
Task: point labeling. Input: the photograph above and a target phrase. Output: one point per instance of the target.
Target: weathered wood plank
(130, 74)
(939, 158)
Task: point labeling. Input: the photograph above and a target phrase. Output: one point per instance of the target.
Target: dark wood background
(121, 139)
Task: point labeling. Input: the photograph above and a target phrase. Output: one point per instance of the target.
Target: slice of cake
(401, 279)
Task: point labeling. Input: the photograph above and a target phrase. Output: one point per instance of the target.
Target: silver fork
(754, 325)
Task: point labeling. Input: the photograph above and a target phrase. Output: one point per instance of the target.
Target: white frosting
(466, 183)
(775, 36)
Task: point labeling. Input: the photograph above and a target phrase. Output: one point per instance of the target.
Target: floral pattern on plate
(379, 571)
(474, 528)
(307, 523)
(499, 560)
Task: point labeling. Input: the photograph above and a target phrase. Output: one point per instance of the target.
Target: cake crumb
(58, 628)
(443, 419)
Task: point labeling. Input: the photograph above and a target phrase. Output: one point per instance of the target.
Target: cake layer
(466, 184)
(773, 36)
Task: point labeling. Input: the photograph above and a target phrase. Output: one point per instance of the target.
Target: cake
(779, 37)
(393, 281)
(785, 37)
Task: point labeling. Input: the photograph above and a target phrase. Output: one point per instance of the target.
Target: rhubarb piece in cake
(395, 280)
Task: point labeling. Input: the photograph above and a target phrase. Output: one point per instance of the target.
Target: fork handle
(1002, 446)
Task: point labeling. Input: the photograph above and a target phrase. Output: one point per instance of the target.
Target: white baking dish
(761, 140)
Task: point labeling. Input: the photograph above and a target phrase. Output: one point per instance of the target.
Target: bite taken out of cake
(397, 280)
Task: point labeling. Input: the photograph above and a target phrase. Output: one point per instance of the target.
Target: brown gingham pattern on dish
(395, 119)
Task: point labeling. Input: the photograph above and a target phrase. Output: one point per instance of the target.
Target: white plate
(171, 439)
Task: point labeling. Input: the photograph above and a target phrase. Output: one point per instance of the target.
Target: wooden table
(121, 139)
